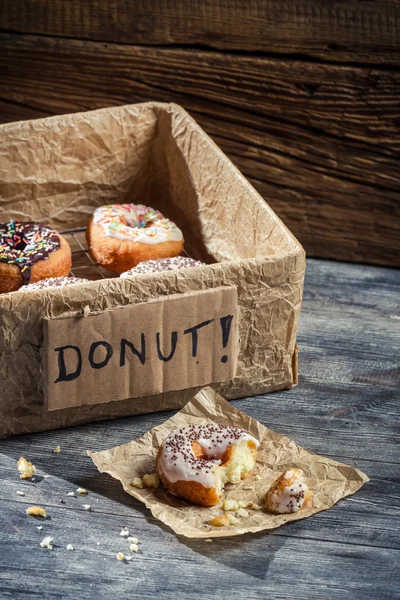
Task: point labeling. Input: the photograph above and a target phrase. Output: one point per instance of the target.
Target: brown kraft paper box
(99, 350)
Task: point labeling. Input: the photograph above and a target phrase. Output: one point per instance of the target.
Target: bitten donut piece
(30, 252)
(122, 235)
(52, 282)
(289, 493)
(196, 462)
(163, 264)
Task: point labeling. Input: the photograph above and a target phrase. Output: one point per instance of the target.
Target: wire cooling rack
(83, 264)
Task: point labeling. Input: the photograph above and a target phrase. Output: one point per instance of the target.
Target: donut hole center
(138, 221)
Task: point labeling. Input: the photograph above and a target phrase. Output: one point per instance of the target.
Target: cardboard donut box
(114, 346)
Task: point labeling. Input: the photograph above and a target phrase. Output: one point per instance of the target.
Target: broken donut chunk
(289, 493)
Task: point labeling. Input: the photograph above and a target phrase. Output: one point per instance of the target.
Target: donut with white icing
(52, 282)
(163, 264)
(196, 462)
(30, 252)
(289, 493)
(122, 235)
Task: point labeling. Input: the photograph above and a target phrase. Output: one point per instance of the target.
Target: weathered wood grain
(320, 142)
(345, 406)
(349, 30)
(171, 567)
(379, 501)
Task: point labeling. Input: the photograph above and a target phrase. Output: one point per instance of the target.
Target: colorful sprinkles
(25, 243)
(136, 223)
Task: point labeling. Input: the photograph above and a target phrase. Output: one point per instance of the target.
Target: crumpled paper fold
(328, 479)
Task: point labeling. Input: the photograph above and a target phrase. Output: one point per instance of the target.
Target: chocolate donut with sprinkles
(120, 236)
(196, 462)
(30, 252)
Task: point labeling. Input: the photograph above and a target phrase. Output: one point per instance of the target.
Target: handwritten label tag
(167, 344)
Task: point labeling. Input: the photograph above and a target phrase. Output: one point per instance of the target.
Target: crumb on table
(36, 511)
(26, 468)
(137, 482)
(220, 521)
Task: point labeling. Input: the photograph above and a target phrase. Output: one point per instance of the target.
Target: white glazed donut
(163, 264)
(195, 462)
(52, 282)
(122, 235)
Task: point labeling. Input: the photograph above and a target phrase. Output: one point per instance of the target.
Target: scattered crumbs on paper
(137, 483)
(121, 556)
(230, 505)
(220, 520)
(232, 519)
(258, 477)
(242, 512)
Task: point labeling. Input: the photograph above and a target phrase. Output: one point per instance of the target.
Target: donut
(196, 462)
(289, 493)
(122, 235)
(52, 282)
(163, 264)
(30, 252)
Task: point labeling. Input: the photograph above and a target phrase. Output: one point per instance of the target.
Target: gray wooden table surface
(346, 407)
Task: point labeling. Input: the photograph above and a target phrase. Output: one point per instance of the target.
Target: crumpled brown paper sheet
(328, 479)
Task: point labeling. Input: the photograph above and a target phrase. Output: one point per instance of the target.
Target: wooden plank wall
(303, 95)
